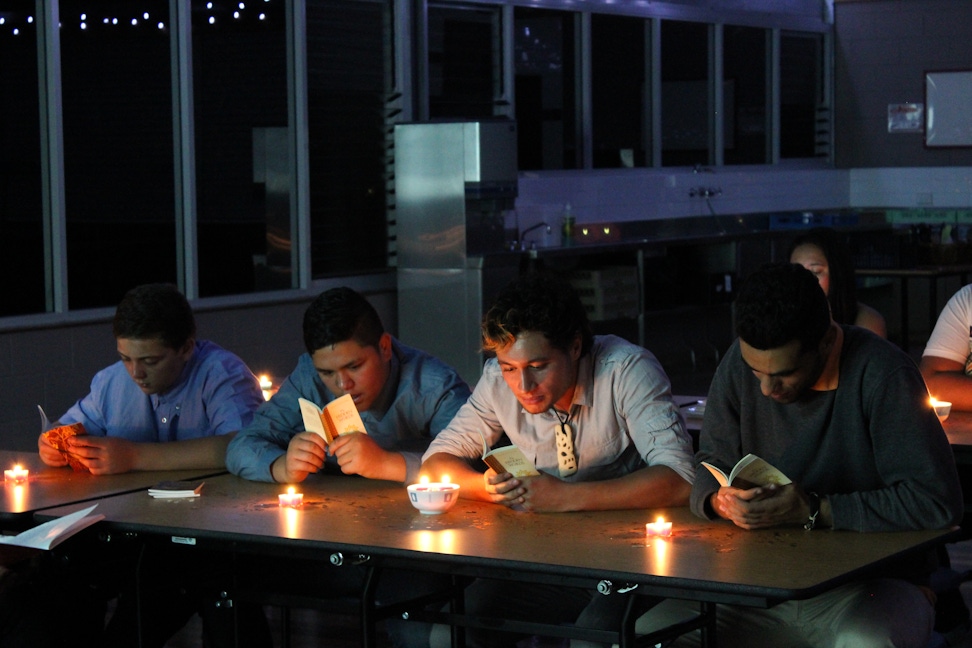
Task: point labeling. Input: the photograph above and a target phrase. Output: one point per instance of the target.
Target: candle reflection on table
(442, 541)
(292, 520)
(659, 550)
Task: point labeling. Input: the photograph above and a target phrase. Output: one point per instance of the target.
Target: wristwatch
(814, 511)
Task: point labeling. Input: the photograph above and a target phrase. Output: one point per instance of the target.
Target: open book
(340, 416)
(750, 471)
(50, 534)
(509, 459)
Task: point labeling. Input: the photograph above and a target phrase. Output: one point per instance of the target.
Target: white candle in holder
(16, 475)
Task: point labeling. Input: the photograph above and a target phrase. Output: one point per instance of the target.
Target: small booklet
(338, 417)
(508, 459)
(173, 489)
(57, 437)
(749, 472)
(50, 534)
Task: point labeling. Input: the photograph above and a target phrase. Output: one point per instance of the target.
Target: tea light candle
(266, 385)
(443, 485)
(659, 528)
(433, 497)
(16, 475)
(290, 499)
(942, 408)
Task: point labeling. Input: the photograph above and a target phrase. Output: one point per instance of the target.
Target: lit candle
(433, 497)
(267, 386)
(290, 499)
(659, 528)
(442, 485)
(16, 475)
(942, 408)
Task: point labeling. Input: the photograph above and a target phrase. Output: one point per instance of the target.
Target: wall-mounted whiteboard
(948, 108)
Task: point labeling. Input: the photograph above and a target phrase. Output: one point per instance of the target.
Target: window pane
(464, 61)
(21, 215)
(685, 93)
(243, 174)
(546, 98)
(119, 189)
(348, 79)
(801, 92)
(744, 95)
(618, 87)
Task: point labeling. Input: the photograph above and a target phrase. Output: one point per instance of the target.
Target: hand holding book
(340, 416)
(508, 459)
(749, 472)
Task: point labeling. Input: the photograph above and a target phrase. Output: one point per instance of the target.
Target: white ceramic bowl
(433, 498)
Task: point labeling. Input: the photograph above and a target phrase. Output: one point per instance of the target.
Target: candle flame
(423, 479)
(660, 520)
(18, 467)
(265, 382)
(445, 479)
(291, 490)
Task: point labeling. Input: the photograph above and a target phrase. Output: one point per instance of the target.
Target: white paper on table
(50, 534)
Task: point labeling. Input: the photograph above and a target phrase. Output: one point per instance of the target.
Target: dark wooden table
(373, 521)
(48, 487)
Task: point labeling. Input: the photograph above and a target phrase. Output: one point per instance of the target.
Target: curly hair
(779, 303)
(540, 302)
(338, 315)
(155, 311)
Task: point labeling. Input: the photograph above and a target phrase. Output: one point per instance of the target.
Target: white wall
(921, 187)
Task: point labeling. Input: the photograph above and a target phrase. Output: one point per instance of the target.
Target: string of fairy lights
(213, 13)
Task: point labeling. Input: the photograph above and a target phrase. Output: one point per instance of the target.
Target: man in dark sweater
(846, 416)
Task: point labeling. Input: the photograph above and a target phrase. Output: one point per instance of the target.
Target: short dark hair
(842, 294)
(338, 315)
(156, 311)
(541, 302)
(779, 303)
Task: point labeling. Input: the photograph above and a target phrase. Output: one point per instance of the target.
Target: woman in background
(822, 251)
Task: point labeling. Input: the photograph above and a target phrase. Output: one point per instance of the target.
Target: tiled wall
(911, 187)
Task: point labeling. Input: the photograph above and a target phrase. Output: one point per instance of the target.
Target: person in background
(823, 252)
(946, 362)
(593, 414)
(171, 402)
(405, 398)
(845, 415)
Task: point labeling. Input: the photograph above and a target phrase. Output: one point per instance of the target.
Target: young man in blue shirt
(405, 398)
(170, 402)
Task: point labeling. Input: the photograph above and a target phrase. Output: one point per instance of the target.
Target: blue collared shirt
(420, 397)
(216, 394)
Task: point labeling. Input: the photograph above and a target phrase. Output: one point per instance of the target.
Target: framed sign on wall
(948, 108)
